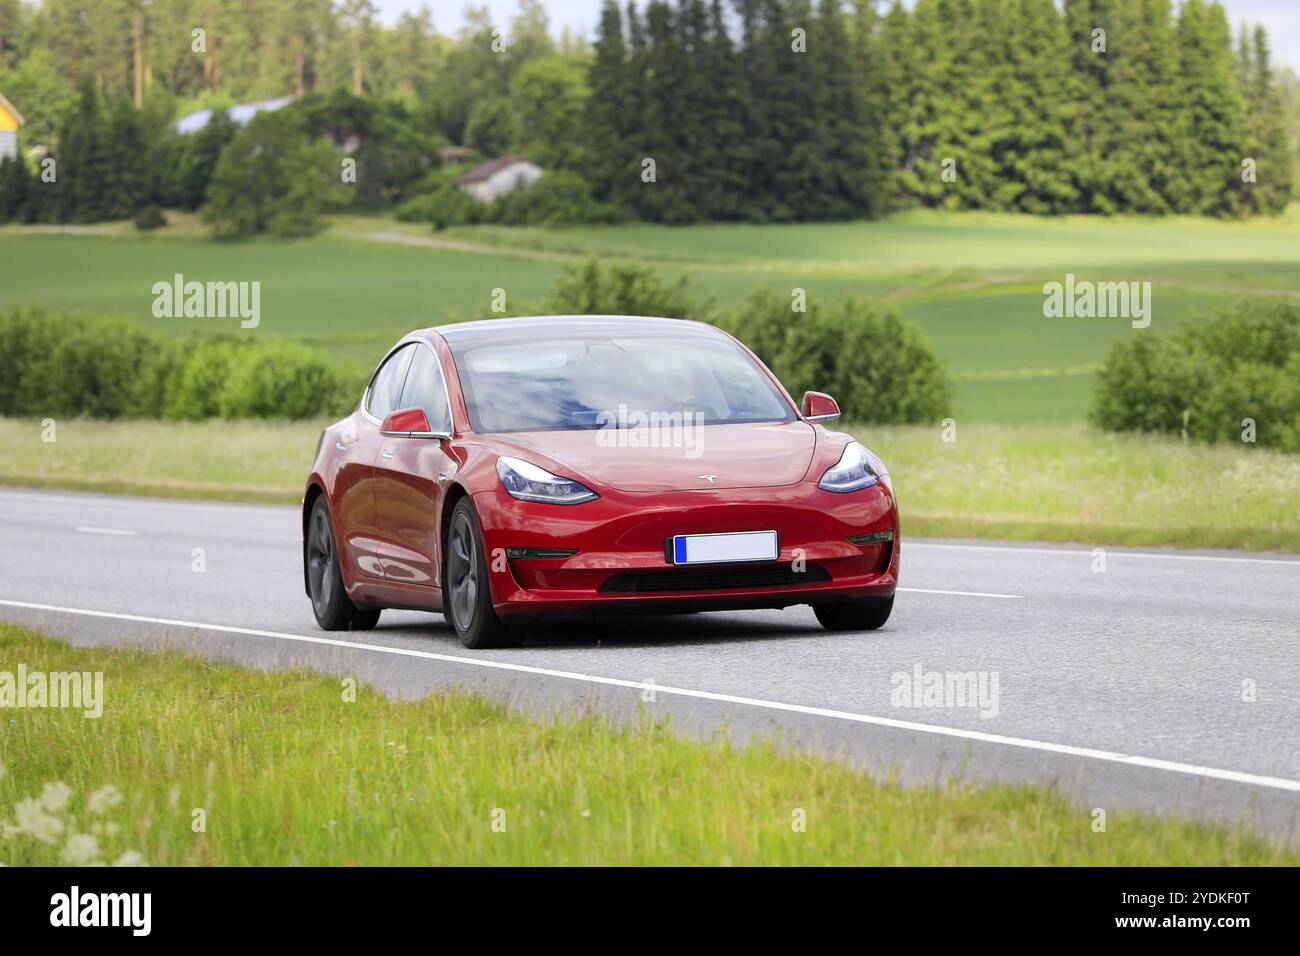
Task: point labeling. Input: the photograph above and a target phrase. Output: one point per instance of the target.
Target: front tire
(467, 596)
(330, 603)
(853, 615)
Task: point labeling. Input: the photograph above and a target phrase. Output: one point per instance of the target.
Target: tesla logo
(709, 478)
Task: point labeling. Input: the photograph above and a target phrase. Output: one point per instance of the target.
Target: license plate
(719, 548)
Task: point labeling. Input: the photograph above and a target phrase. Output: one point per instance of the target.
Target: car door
(358, 519)
(410, 476)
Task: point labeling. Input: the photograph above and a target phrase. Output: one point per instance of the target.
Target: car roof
(569, 324)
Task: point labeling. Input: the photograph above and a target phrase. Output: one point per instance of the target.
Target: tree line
(681, 111)
(791, 110)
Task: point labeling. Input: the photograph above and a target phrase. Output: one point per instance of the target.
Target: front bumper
(620, 565)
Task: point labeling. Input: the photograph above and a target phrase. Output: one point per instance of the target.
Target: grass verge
(288, 772)
(1025, 482)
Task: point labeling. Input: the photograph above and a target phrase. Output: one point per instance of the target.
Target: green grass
(287, 772)
(972, 282)
(1027, 482)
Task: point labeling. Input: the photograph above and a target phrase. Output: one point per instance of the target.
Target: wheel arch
(455, 492)
(314, 490)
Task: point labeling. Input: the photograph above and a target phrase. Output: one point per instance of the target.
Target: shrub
(446, 205)
(195, 386)
(1208, 377)
(625, 289)
(279, 380)
(150, 217)
(879, 368)
(68, 365)
(106, 368)
(27, 338)
(557, 199)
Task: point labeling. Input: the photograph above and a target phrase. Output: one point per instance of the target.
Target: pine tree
(1089, 25)
(1145, 168)
(15, 190)
(847, 185)
(608, 159)
(127, 182)
(721, 122)
(880, 136)
(1267, 135)
(83, 162)
(897, 95)
(1214, 109)
(1034, 173)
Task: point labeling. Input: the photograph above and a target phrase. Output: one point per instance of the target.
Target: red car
(504, 470)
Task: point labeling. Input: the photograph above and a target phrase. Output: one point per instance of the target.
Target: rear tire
(466, 594)
(854, 616)
(330, 603)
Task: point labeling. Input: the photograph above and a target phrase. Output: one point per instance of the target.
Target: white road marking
(1110, 553)
(1108, 756)
(961, 593)
(118, 531)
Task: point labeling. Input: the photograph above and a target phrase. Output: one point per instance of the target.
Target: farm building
(10, 120)
(497, 177)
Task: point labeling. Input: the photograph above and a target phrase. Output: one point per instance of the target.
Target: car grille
(688, 580)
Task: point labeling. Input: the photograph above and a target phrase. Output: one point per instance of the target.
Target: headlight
(527, 482)
(856, 469)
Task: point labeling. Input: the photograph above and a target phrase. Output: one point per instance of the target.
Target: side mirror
(820, 407)
(408, 423)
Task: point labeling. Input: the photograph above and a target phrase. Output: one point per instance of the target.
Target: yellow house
(10, 120)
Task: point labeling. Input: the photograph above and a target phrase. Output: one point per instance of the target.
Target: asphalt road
(1170, 681)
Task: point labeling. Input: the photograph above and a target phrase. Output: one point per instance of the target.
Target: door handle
(387, 454)
(340, 446)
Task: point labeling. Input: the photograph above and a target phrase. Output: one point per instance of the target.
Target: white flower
(55, 796)
(82, 849)
(103, 800)
(33, 819)
(130, 858)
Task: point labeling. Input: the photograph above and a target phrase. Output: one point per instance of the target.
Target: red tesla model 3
(504, 470)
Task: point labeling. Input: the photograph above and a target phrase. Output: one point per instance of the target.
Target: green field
(1026, 482)
(971, 281)
(285, 771)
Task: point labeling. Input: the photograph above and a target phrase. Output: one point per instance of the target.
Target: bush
(1208, 377)
(557, 199)
(624, 289)
(195, 386)
(279, 380)
(446, 205)
(150, 217)
(879, 368)
(76, 365)
(68, 365)
(27, 337)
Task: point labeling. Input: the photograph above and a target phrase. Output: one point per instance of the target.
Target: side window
(386, 387)
(424, 389)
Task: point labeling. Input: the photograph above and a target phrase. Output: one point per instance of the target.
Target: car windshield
(524, 380)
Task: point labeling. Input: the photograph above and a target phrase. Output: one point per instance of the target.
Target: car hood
(762, 455)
